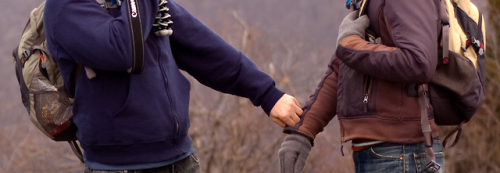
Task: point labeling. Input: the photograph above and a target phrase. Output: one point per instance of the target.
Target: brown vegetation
(232, 136)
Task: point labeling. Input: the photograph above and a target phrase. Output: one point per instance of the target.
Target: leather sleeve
(321, 107)
(410, 52)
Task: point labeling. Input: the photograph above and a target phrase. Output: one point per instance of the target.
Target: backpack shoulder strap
(430, 158)
(445, 31)
(27, 54)
(457, 130)
(76, 149)
(481, 50)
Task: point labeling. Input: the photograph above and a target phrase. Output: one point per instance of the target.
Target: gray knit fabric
(352, 25)
(293, 153)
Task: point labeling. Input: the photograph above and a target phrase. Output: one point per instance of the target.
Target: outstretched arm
(216, 64)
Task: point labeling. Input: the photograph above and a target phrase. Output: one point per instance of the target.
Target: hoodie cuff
(273, 95)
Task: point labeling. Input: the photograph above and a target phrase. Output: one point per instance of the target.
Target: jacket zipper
(342, 139)
(177, 131)
(367, 91)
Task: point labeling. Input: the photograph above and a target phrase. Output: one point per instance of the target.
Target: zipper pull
(42, 58)
(365, 101)
(177, 131)
(342, 146)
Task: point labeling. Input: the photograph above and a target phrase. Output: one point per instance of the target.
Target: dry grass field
(292, 40)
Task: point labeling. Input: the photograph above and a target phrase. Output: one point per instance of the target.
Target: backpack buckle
(432, 167)
(422, 89)
(481, 50)
(26, 54)
(478, 46)
(354, 3)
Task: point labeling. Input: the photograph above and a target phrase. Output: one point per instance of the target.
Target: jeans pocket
(387, 152)
(420, 162)
(189, 164)
(195, 159)
(380, 158)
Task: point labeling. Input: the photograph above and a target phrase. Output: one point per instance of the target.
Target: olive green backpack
(42, 87)
(41, 84)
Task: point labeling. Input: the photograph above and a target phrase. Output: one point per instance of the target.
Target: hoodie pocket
(146, 115)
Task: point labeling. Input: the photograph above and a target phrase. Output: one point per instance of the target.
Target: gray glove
(352, 25)
(293, 153)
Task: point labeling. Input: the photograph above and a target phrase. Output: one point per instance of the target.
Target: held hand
(293, 153)
(352, 25)
(286, 111)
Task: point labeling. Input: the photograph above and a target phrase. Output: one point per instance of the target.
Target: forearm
(384, 62)
(408, 52)
(216, 64)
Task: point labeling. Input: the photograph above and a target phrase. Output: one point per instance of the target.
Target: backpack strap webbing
(73, 143)
(27, 54)
(458, 130)
(20, 78)
(76, 149)
(481, 53)
(430, 158)
(445, 29)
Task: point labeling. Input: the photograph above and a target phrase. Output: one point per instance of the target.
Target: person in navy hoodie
(139, 122)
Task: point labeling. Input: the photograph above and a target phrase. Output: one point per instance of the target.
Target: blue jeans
(190, 164)
(396, 158)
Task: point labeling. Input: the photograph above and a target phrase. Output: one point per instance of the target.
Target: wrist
(271, 98)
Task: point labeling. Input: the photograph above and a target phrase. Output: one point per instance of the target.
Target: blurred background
(293, 41)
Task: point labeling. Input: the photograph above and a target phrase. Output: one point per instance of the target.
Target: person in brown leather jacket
(371, 88)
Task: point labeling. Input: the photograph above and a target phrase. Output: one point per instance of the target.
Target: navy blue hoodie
(135, 119)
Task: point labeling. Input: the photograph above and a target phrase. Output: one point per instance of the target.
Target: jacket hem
(139, 153)
(394, 131)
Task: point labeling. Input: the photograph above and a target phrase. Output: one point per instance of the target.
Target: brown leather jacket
(369, 86)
